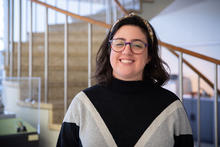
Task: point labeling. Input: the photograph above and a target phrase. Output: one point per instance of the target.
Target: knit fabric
(125, 114)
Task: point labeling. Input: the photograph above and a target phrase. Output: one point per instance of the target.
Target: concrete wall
(152, 9)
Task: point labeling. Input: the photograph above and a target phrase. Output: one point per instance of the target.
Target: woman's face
(126, 65)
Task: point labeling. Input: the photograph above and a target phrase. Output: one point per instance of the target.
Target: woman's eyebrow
(138, 40)
(120, 38)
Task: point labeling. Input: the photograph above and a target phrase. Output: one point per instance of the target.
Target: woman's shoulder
(167, 93)
(95, 89)
(85, 94)
(165, 96)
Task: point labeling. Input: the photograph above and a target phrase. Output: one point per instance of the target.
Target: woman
(128, 107)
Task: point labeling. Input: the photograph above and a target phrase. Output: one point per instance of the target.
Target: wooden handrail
(121, 7)
(195, 70)
(185, 51)
(89, 20)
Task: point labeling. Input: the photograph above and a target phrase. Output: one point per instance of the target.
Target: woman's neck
(121, 86)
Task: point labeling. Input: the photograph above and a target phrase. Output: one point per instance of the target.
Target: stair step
(51, 68)
(77, 62)
(77, 36)
(57, 76)
(74, 47)
(72, 27)
(57, 94)
(51, 54)
(55, 61)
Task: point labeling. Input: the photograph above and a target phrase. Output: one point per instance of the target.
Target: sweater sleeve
(69, 135)
(69, 132)
(183, 133)
(183, 141)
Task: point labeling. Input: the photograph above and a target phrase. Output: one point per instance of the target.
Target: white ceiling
(193, 24)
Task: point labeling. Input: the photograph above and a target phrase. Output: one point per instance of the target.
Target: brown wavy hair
(153, 70)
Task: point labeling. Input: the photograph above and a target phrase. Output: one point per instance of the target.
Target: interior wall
(152, 9)
(190, 24)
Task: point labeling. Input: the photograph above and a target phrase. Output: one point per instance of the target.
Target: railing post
(35, 17)
(30, 42)
(55, 12)
(79, 7)
(115, 12)
(19, 42)
(181, 76)
(89, 53)
(8, 35)
(39, 101)
(46, 56)
(26, 22)
(216, 104)
(198, 113)
(65, 62)
(108, 11)
(11, 39)
(30, 52)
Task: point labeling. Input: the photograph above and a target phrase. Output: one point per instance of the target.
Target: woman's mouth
(126, 61)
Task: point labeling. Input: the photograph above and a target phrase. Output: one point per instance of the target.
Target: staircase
(77, 62)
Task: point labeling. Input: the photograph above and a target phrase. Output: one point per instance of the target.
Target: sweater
(125, 114)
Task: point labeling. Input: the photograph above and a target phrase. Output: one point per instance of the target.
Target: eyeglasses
(137, 46)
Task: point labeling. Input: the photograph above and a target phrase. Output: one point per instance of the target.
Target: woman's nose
(127, 49)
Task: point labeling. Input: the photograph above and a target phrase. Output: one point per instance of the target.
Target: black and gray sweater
(125, 114)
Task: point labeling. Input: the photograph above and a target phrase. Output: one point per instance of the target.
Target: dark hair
(153, 70)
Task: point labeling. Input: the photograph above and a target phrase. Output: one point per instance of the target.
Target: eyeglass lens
(136, 46)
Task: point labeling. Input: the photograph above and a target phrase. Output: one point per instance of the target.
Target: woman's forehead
(130, 32)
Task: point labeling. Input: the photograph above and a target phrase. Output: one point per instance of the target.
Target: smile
(126, 61)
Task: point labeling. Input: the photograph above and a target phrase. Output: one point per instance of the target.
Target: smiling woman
(127, 107)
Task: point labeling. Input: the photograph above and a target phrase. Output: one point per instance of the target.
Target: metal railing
(31, 9)
(200, 75)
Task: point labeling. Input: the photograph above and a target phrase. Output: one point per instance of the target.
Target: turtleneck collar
(121, 86)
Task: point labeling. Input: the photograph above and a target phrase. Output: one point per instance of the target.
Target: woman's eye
(119, 44)
(138, 45)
